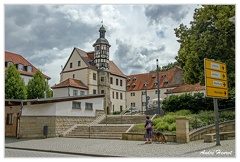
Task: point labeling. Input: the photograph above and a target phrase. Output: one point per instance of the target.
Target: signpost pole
(215, 102)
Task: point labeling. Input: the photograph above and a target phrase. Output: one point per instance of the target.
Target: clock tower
(101, 60)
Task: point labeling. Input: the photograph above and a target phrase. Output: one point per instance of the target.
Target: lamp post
(158, 88)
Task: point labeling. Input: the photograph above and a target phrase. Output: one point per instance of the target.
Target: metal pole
(158, 88)
(216, 121)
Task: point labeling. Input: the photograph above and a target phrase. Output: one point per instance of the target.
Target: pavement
(123, 148)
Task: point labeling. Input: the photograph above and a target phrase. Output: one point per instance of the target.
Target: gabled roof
(186, 88)
(170, 78)
(88, 58)
(71, 83)
(18, 59)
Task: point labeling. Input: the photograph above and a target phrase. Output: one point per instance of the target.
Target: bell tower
(101, 60)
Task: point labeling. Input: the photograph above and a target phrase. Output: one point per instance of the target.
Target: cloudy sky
(139, 34)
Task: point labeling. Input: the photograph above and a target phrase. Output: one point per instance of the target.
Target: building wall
(192, 93)
(116, 90)
(26, 79)
(11, 129)
(137, 97)
(81, 74)
(63, 108)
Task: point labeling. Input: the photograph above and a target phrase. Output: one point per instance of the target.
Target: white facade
(69, 91)
(64, 108)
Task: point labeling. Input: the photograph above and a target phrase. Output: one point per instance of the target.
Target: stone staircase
(103, 131)
(105, 127)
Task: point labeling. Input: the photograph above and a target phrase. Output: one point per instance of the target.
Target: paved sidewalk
(124, 148)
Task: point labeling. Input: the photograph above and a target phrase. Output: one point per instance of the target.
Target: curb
(62, 152)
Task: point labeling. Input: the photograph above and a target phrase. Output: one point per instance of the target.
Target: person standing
(148, 131)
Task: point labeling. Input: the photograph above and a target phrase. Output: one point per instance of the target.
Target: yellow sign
(216, 74)
(216, 83)
(215, 65)
(216, 92)
(215, 79)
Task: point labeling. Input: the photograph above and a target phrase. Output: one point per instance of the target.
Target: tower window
(94, 76)
(120, 82)
(116, 81)
(102, 79)
(111, 80)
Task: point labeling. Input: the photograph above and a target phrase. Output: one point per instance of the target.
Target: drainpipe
(18, 118)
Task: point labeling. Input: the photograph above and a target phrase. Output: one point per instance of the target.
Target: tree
(36, 86)
(167, 67)
(211, 35)
(14, 84)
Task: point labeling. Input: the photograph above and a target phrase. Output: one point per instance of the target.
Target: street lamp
(158, 88)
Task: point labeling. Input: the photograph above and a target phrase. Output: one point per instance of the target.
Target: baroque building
(93, 73)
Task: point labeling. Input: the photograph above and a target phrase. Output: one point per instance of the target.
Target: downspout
(18, 118)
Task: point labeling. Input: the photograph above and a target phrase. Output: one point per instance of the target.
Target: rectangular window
(71, 65)
(156, 91)
(116, 95)
(133, 104)
(75, 92)
(29, 68)
(82, 93)
(121, 96)
(20, 67)
(113, 94)
(94, 76)
(111, 80)
(143, 92)
(133, 94)
(94, 91)
(73, 76)
(76, 105)
(102, 91)
(102, 79)
(88, 106)
(116, 81)
(9, 119)
(120, 82)
(79, 63)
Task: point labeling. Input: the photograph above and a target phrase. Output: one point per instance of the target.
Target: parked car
(133, 109)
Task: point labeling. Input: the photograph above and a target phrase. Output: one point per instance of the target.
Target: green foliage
(195, 103)
(36, 86)
(14, 84)
(167, 67)
(211, 35)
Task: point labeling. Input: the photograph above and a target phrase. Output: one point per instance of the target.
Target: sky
(46, 34)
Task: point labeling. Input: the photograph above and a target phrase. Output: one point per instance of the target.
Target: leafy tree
(14, 84)
(211, 35)
(36, 86)
(167, 67)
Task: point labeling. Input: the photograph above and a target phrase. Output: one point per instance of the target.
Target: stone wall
(33, 126)
(140, 137)
(198, 134)
(124, 119)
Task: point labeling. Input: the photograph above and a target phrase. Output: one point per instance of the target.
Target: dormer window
(7, 63)
(134, 78)
(20, 67)
(128, 79)
(163, 75)
(29, 68)
(133, 85)
(145, 84)
(128, 85)
(153, 76)
(155, 83)
(165, 81)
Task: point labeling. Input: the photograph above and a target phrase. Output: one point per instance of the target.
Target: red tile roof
(88, 57)
(16, 59)
(71, 83)
(186, 88)
(170, 78)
